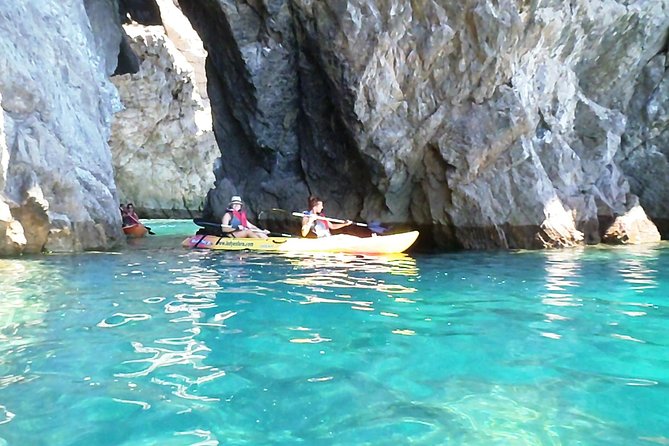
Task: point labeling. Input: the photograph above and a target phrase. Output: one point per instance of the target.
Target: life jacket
(320, 228)
(238, 218)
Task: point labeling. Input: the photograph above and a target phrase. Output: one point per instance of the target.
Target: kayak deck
(377, 244)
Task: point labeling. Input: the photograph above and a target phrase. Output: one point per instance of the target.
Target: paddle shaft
(237, 227)
(281, 234)
(140, 223)
(216, 225)
(333, 220)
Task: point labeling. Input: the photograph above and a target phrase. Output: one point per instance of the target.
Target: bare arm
(306, 225)
(340, 225)
(255, 228)
(225, 223)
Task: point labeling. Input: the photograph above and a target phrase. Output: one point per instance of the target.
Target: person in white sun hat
(236, 224)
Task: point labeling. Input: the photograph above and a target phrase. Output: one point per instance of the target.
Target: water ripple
(207, 435)
(5, 415)
(626, 338)
(123, 318)
(314, 339)
(164, 358)
(182, 390)
(144, 405)
(313, 299)
(154, 300)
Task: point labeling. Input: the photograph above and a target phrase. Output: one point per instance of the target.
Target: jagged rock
(488, 124)
(12, 238)
(104, 19)
(162, 144)
(34, 218)
(253, 86)
(632, 228)
(186, 40)
(56, 107)
(645, 147)
(475, 121)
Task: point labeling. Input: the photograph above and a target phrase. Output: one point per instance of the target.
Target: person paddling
(132, 215)
(131, 218)
(236, 224)
(314, 223)
(125, 218)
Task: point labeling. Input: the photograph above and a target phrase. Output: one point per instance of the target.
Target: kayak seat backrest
(208, 227)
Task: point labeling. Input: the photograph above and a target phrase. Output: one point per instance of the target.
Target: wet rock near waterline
(632, 228)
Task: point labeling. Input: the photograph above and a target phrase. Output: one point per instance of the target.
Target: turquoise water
(156, 345)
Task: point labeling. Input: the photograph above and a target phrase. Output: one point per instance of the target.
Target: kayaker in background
(130, 210)
(237, 224)
(125, 218)
(314, 222)
(131, 218)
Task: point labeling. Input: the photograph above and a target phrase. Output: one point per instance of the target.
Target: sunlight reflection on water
(324, 276)
(558, 347)
(319, 272)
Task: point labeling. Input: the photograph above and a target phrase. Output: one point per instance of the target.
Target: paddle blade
(376, 227)
(203, 222)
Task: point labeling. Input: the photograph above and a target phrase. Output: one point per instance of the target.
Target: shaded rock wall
(644, 154)
(487, 124)
(56, 182)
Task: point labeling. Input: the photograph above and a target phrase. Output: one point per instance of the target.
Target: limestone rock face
(56, 180)
(486, 124)
(632, 228)
(645, 144)
(162, 143)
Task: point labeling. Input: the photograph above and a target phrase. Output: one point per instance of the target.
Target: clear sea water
(157, 345)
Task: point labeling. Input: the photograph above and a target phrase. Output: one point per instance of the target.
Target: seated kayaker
(130, 218)
(236, 224)
(130, 210)
(314, 222)
(125, 219)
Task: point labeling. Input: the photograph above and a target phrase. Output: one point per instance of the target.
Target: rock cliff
(485, 124)
(488, 124)
(61, 159)
(162, 141)
(56, 182)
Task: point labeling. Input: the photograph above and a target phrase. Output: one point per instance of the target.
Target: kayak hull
(135, 231)
(380, 244)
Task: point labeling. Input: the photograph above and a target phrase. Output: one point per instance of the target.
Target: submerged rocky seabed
(181, 347)
(485, 125)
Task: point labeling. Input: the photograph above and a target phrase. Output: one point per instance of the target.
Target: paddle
(372, 226)
(199, 222)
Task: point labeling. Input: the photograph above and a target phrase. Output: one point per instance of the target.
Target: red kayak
(135, 231)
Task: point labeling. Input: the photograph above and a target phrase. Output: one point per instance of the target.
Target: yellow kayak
(376, 244)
